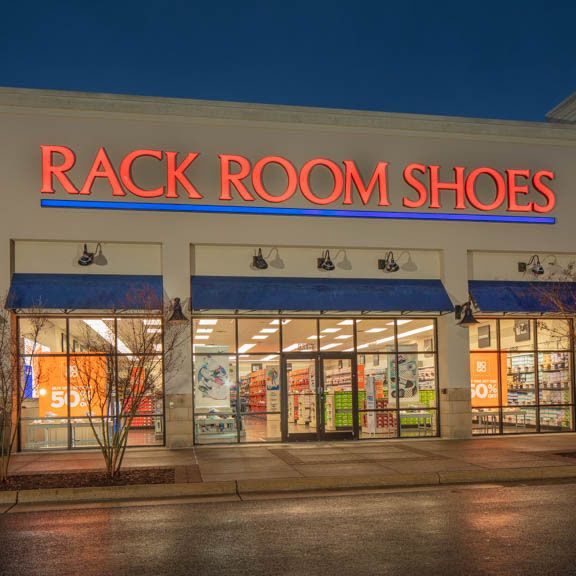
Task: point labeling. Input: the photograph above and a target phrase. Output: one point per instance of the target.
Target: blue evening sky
(505, 59)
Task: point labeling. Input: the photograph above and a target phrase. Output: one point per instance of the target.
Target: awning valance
(329, 294)
(530, 297)
(85, 292)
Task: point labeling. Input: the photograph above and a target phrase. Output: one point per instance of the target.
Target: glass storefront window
(517, 334)
(214, 335)
(77, 373)
(240, 397)
(553, 334)
(416, 335)
(484, 336)
(337, 335)
(257, 336)
(42, 336)
(527, 385)
(300, 335)
(375, 335)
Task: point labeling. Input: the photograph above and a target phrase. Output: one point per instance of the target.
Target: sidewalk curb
(144, 492)
(8, 497)
(282, 485)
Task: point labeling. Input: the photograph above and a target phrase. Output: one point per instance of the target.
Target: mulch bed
(89, 479)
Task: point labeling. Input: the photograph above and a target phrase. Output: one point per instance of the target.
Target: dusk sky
(512, 60)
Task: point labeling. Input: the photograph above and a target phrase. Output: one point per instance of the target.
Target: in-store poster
(87, 386)
(212, 381)
(484, 379)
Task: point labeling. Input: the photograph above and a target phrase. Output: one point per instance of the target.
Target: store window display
(521, 376)
(302, 378)
(73, 375)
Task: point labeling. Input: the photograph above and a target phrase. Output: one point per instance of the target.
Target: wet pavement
(309, 460)
(509, 531)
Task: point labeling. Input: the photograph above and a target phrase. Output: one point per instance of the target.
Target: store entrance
(320, 397)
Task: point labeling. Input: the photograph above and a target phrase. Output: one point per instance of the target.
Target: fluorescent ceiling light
(405, 334)
(201, 337)
(332, 345)
(347, 322)
(101, 328)
(314, 337)
(375, 330)
(291, 347)
(269, 330)
(207, 322)
(260, 337)
(269, 357)
(277, 322)
(204, 330)
(399, 322)
(158, 347)
(362, 346)
(349, 350)
(152, 321)
(343, 336)
(245, 348)
(330, 330)
(153, 330)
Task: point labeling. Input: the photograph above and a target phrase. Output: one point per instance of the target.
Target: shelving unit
(338, 399)
(302, 397)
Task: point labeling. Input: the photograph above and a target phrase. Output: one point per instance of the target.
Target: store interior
(79, 374)
(521, 376)
(242, 365)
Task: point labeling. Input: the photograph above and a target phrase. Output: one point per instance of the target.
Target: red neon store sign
(512, 189)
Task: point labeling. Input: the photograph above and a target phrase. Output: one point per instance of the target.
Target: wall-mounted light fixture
(97, 257)
(463, 312)
(533, 265)
(259, 262)
(177, 312)
(87, 258)
(325, 262)
(388, 264)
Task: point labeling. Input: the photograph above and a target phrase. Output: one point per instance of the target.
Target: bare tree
(118, 373)
(12, 389)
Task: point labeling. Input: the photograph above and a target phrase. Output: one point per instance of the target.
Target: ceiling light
(259, 337)
(277, 322)
(201, 337)
(314, 337)
(399, 322)
(104, 331)
(348, 350)
(347, 322)
(291, 347)
(270, 357)
(362, 346)
(343, 336)
(207, 322)
(204, 330)
(269, 330)
(151, 321)
(330, 330)
(153, 330)
(332, 345)
(376, 330)
(245, 348)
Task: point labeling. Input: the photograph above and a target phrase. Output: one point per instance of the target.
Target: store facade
(320, 255)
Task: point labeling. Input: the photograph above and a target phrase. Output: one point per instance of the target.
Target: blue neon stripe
(273, 211)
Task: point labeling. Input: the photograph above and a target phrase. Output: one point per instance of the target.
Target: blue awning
(330, 294)
(535, 297)
(85, 292)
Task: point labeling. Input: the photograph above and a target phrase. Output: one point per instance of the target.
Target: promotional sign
(476, 191)
(484, 380)
(87, 394)
(212, 382)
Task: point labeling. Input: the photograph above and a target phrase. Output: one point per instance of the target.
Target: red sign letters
(483, 188)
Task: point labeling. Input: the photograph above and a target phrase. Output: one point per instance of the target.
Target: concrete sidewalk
(370, 459)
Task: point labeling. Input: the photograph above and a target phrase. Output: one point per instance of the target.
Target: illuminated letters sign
(468, 193)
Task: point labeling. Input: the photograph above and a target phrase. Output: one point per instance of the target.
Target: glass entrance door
(338, 405)
(320, 400)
